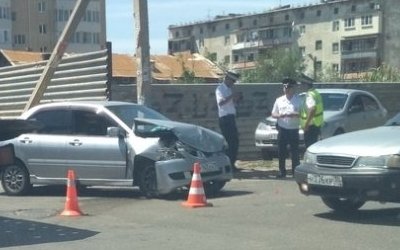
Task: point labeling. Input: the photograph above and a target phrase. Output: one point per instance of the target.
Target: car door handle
(26, 140)
(75, 143)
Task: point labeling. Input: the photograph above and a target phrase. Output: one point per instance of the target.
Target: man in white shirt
(226, 99)
(286, 110)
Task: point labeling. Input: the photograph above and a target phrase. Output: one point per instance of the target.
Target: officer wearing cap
(311, 112)
(226, 99)
(286, 110)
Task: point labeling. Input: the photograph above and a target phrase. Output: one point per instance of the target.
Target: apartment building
(343, 36)
(35, 25)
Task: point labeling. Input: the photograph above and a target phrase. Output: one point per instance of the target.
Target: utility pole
(58, 52)
(143, 80)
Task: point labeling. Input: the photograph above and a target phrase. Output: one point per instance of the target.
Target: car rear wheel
(148, 181)
(15, 179)
(213, 187)
(343, 204)
(266, 155)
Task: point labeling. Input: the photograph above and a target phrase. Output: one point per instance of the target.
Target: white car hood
(197, 137)
(382, 140)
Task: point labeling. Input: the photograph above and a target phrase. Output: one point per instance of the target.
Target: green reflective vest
(318, 119)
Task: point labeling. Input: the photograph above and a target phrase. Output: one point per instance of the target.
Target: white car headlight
(263, 126)
(384, 161)
(310, 158)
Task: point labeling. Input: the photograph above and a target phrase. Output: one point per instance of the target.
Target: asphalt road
(254, 211)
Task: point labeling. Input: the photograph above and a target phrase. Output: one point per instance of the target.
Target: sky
(162, 13)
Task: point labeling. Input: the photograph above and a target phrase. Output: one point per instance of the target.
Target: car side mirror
(115, 132)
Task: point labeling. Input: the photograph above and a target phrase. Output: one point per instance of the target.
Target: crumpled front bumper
(173, 174)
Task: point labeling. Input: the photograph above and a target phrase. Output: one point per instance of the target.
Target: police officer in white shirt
(226, 99)
(286, 110)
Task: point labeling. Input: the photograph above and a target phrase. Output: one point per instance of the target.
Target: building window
(336, 10)
(227, 59)
(42, 29)
(286, 17)
(366, 20)
(227, 40)
(201, 42)
(372, 6)
(236, 58)
(318, 12)
(318, 66)
(5, 36)
(19, 39)
(335, 48)
(335, 25)
(302, 51)
(213, 28)
(176, 34)
(42, 7)
(302, 29)
(302, 15)
(287, 32)
(201, 30)
(271, 19)
(240, 23)
(335, 67)
(255, 22)
(43, 49)
(227, 26)
(250, 57)
(318, 45)
(353, 8)
(13, 16)
(349, 22)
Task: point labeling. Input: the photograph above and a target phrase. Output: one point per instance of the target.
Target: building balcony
(262, 43)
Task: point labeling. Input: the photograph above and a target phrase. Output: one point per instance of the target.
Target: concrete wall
(196, 104)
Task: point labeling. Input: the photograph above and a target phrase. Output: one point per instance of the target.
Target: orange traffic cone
(71, 202)
(197, 197)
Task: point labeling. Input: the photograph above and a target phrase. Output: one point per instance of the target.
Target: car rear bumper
(177, 173)
(372, 184)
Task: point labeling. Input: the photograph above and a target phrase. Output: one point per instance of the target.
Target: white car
(114, 144)
(345, 110)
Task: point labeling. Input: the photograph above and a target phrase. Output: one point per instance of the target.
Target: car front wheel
(148, 181)
(15, 179)
(343, 204)
(213, 187)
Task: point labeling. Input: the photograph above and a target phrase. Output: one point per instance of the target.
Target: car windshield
(394, 121)
(333, 101)
(127, 113)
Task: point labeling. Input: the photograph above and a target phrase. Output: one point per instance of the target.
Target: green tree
(383, 73)
(274, 65)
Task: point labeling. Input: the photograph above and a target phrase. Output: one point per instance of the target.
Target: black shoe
(280, 176)
(235, 169)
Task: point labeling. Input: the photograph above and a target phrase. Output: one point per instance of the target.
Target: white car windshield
(127, 113)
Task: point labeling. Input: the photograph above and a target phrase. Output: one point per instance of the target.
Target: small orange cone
(71, 202)
(197, 197)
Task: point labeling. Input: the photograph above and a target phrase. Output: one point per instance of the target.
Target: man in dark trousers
(226, 99)
(286, 110)
(311, 112)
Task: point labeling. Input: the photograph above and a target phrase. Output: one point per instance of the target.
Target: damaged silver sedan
(113, 144)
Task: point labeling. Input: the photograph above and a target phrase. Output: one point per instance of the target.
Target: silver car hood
(382, 140)
(197, 137)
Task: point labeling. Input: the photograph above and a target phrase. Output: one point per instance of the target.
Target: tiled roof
(168, 67)
(165, 67)
(16, 57)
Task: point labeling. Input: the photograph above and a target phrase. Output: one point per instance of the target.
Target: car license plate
(325, 180)
(209, 166)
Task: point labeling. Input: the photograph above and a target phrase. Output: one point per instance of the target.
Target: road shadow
(264, 174)
(17, 232)
(384, 217)
(122, 192)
